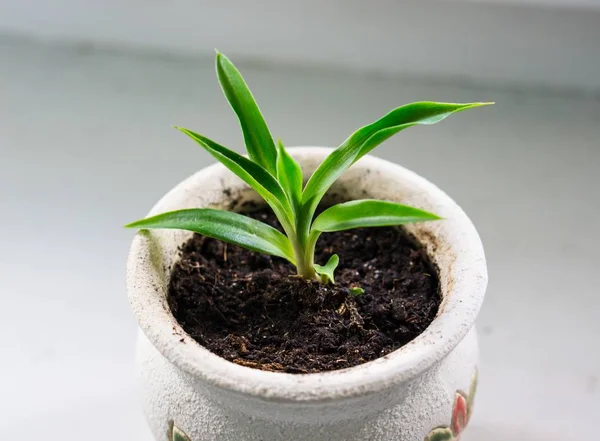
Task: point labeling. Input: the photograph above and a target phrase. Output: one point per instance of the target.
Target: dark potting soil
(251, 309)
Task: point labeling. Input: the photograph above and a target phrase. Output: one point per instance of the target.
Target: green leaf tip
(257, 137)
(476, 103)
(134, 224)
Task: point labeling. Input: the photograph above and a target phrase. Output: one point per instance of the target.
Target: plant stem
(304, 263)
(304, 260)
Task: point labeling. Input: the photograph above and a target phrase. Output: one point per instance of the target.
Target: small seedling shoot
(272, 172)
(356, 291)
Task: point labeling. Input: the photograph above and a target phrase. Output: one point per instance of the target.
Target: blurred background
(89, 90)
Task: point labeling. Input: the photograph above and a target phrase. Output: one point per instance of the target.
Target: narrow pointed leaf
(223, 225)
(259, 141)
(368, 137)
(289, 175)
(368, 213)
(253, 174)
(326, 271)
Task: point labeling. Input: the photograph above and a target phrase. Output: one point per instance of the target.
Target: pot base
(171, 397)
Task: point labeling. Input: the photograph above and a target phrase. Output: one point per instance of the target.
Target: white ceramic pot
(423, 390)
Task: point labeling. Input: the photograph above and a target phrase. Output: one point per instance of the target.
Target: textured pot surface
(424, 390)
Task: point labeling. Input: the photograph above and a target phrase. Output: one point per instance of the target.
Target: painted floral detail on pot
(178, 434)
(461, 413)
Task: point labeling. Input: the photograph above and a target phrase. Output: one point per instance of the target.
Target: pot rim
(457, 314)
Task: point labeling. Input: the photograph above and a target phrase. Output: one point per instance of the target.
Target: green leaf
(251, 173)
(356, 291)
(223, 225)
(440, 434)
(326, 271)
(368, 137)
(289, 175)
(259, 141)
(179, 435)
(368, 213)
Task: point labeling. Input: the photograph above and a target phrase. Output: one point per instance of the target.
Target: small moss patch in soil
(253, 310)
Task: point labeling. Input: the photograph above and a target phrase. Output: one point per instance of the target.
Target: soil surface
(251, 309)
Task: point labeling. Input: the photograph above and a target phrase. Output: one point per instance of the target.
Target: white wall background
(537, 43)
(544, 3)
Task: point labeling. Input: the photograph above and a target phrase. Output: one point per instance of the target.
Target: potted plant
(269, 311)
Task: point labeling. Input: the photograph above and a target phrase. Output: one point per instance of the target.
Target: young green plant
(272, 172)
